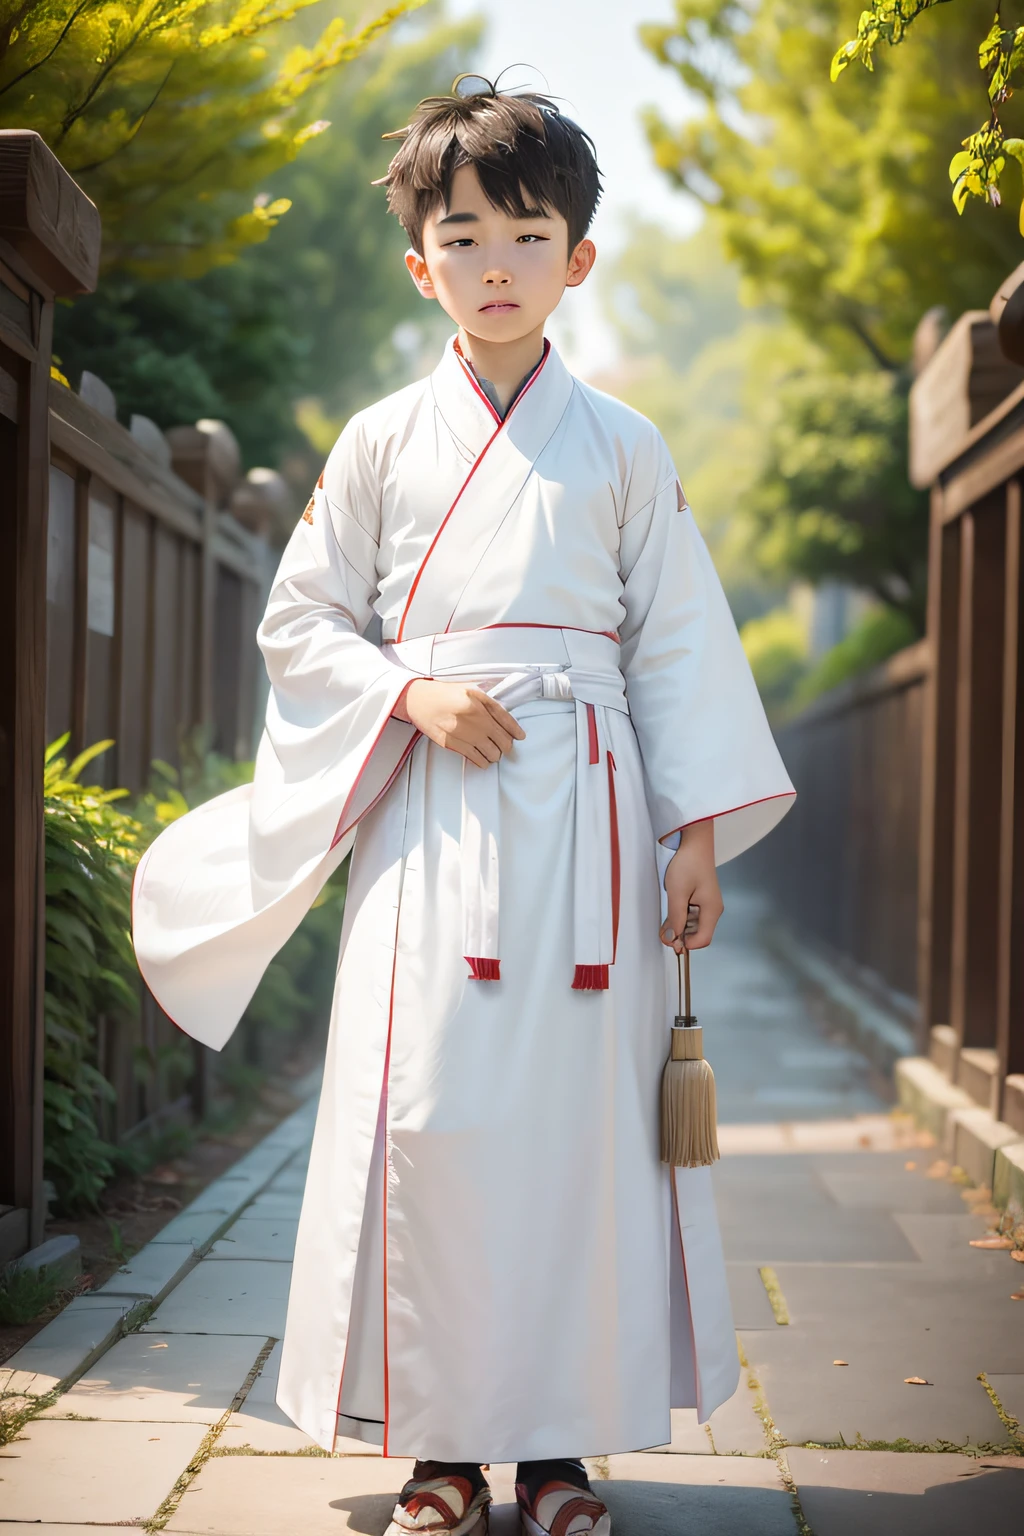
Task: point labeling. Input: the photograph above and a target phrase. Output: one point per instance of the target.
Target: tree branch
(46, 57)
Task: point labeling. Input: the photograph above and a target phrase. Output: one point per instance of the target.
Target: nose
(495, 277)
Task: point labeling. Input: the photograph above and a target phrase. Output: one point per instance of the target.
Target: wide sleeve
(221, 889)
(707, 749)
(330, 747)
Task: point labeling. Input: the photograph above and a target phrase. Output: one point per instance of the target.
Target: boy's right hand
(462, 719)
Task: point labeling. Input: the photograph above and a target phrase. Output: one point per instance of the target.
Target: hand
(462, 719)
(691, 882)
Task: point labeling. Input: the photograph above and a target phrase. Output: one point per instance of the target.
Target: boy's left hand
(691, 881)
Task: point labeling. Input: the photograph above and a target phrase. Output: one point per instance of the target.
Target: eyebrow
(472, 218)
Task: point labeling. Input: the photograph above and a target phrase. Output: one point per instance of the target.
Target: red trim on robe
(483, 970)
(476, 464)
(786, 794)
(592, 733)
(342, 829)
(384, 1096)
(590, 978)
(613, 821)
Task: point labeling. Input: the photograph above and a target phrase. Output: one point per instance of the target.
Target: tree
(168, 112)
(833, 205)
(976, 169)
(832, 499)
(309, 314)
(833, 201)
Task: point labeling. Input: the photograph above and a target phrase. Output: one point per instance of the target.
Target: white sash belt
(517, 665)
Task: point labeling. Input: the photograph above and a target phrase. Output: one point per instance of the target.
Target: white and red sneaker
(446, 1504)
(562, 1509)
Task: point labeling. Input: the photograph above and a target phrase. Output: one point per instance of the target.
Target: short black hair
(518, 144)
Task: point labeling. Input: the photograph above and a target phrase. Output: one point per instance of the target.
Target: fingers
(507, 723)
(679, 920)
(709, 912)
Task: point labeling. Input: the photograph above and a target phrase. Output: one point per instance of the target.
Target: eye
(463, 240)
(523, 238)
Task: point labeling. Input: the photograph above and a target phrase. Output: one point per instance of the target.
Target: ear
(419, 274)
(580, 263)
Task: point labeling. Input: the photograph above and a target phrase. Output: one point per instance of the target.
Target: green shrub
(880, 634)
(776, 648)
(91, 848)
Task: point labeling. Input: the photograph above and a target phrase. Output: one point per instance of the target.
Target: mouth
(499, 307)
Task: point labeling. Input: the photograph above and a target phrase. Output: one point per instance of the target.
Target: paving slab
(287, 1206)
(196, 1227)
(945, 1242)
(733, 1430)
(174, 1378)
(227, 1296)
(849, 1493)
(901, 1304)
(775, 1207)
(151, 1271)
(884, 1189)
(750, 1305)
(59, 1349)
(659, 1495)
(291, 1182)
(281, 1495)
(783, 1229)
(98, 1474)
(233, 1190)
(258, 1237)
(811, 1399)
(262, 1426)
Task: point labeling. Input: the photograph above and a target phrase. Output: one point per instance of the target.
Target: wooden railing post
(49, 246)
(207, 458)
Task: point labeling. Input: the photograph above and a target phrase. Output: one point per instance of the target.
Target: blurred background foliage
(169, 113)
(199, 313)
(774, 348)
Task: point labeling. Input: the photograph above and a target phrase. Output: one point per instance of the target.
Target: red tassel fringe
(590, 978)
(483, 970)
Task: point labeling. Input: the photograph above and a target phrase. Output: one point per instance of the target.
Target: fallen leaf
(915, 1381)
(1018, 1254)
(910, 1167)
(158, 1346)
(1017, 1295)
(993, 1240)
(938, 1170)
(840, 1362)
(163, 1176)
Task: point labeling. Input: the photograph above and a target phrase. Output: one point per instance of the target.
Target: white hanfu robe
(492, 1263)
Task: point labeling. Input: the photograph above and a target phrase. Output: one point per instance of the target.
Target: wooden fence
(153, 590)
(129, 599)
(972, 829)
(843, 865)
(904, 853)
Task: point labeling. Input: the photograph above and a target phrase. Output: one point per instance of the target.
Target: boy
(492, 1263)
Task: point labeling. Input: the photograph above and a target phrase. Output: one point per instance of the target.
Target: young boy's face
(497, 276)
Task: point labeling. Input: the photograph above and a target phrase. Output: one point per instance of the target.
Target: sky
(587, 54)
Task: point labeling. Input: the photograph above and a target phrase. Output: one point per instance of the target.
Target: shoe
(560, 1509)
(445, 1505)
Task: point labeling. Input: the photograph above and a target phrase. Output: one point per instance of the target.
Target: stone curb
(879, 1033)
(90, 1324)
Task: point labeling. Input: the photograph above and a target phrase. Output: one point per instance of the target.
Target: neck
(504, 363)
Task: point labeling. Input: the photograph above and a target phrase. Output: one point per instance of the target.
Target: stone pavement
(839, 1247)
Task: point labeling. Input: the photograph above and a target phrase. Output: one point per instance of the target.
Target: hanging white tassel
(689, 1111)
